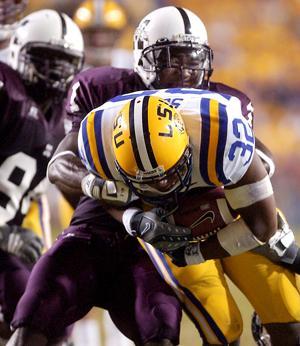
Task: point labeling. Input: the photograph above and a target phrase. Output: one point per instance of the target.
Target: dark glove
(187, 255)
(162, 235)
(21, 242)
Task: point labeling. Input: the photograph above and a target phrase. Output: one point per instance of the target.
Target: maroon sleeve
(12, 104)
(247, 107)
(93, 87)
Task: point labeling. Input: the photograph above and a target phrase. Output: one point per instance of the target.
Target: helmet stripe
(63, 25)
(133, 136)
(98, 128)
(93, 157)
(93, 144)
(186, 20)
(84, 147)
(147, 132)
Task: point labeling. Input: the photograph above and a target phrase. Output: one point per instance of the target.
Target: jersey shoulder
(94, 86)
(11, 82)
(222, 139)
(246, 104)
(227, 89)
(103, 76)
(12, 100)
(21, 120)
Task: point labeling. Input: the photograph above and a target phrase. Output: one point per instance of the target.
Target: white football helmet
(47, 50)
(163, 32)
(10, 13)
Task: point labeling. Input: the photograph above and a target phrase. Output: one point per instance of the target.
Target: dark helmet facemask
(178, 60)
(54, 66)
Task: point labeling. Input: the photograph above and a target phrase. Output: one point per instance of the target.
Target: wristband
(237, 238)
(193, 255)
(126, 220)
(249, 194)
(89, 188)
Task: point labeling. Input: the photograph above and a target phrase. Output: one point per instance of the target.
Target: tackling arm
(65, 169)
(67, 172)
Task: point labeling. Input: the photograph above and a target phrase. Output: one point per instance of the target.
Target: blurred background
(256, 48)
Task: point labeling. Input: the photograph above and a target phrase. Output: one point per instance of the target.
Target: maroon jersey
(27, 142)
(93, 87)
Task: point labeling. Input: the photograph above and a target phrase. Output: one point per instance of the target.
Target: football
(205, 213)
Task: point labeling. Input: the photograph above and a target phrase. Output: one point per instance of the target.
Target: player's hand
(115, 193)
(187, 255)
(281, 247)
(148, 226)
(21, 242)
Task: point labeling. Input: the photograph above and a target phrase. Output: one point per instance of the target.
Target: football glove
(112, 192)
(281, 247)
(148, 226)
(187, 255)
(21, 242)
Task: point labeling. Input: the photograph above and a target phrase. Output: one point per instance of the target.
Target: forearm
(116, 213)
(67, 172)
(65, 169)
(233, 239)
(253, 198)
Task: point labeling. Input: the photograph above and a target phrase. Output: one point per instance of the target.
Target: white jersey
(221, 139)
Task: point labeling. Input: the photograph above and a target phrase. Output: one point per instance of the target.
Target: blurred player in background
(45, 52)
(171, 50)
(38, 215)
(102, 22)
(10, 12)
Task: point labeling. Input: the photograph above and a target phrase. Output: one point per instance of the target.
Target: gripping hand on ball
(148, 226)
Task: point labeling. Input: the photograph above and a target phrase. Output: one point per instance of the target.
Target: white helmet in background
(164, 31)
(47, 50)
(10, 12)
